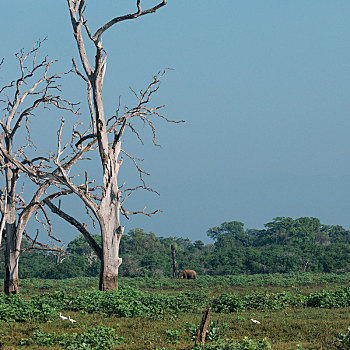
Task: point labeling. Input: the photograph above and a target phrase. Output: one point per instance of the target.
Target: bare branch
(127, 213)
(119, 134)
(85, 138)
(89, 89)
(97, 36)
(81, 228)
(77, 24)
(39, 246)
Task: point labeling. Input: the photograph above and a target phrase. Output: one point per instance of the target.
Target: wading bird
(255, 321)
(63, 317)
(70, 319)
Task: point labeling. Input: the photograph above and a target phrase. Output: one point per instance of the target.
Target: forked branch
(97, 36)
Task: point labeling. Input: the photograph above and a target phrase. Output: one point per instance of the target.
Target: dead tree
(35, 87)
(173, 254)
(108, 132)
(105, 202)
(202, 329)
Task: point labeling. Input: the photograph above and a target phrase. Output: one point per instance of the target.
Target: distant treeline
(284, 245)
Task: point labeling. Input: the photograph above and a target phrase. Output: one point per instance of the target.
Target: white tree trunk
(12, 252)
(109, 220)
(111, 236)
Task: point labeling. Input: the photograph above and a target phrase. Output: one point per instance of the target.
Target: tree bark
(111, 233)
(173, 253)
(109, 219)
(202, 329)
(12, 250)
(11, 285)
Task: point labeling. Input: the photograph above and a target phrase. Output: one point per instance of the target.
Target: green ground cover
(303, 311)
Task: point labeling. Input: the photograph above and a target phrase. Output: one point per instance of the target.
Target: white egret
(70, 319)
(63, 317)
(255, 321)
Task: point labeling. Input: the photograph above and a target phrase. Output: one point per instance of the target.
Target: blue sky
(263, 86)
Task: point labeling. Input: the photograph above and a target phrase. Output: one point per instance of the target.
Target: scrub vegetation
(304, 311)
(279, 281)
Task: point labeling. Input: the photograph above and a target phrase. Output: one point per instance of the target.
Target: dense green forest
(284, 245)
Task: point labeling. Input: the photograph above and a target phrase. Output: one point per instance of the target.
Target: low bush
(343, 340)
(97, 338)
(330, 298)
(15, 308)
(133, 303)
(244, 344)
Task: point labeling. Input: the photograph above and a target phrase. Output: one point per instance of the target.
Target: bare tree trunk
(11, 285)
(109, 220)
(173, 253)
(111, 236)
(202, 329)
(12, 250)
(34, 87)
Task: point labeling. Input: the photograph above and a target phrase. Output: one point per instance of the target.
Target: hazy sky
(264, 87)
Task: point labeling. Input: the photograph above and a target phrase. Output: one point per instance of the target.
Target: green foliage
(173, 335)
(80, 246)
(134, 303)
(123, 303)
(97, 338)
(285, 245)
(214, 331)
(240, 319)
(230, 230)
(15, 308)
(257, 301)
(213, 339)
(285, 324)
(330, 298)
(244, 344)
(191, 329)
(288, 231)
(343, 340)
(228, 303)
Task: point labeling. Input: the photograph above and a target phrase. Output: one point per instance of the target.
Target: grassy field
(163, 313)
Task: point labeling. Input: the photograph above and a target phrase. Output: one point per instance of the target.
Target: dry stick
(202, 330)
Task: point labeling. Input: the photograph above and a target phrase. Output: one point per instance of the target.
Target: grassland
(161, 313)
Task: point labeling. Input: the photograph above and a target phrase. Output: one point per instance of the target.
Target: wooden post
(202, 330)
(173, 253)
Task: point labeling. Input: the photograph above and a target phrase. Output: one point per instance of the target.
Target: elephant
(187, 274)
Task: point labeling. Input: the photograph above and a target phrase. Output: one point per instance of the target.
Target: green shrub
(173, 335)
(330, 298)
(343, 340)
(97, 338)
(244, 344)
(228, 303)
(257, 301)
(15, 308)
